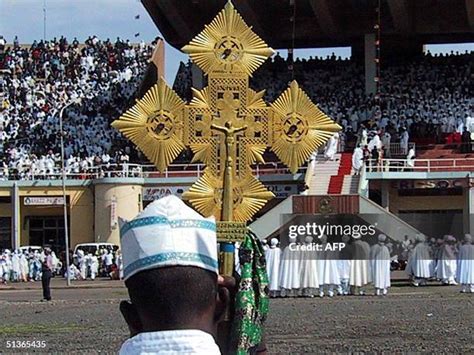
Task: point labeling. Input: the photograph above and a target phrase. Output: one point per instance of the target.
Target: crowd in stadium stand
(427, 99)
(38, 80)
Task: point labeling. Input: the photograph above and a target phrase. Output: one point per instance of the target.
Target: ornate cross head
(227, 125)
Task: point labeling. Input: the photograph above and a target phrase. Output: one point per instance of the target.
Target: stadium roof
(322, 23)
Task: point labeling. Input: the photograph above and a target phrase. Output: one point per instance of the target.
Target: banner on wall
(113, 213)
(154, 193)
(43, 201)
(432, 184)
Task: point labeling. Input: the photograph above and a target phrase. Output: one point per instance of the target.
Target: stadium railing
(420, 165)
(134, 171)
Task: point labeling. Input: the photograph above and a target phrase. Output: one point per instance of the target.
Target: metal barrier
(420, 165)
(396, 149)
(133, 171)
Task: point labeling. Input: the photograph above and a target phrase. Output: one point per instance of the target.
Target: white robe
(411, 158)
(273, 256)
(420, 263)
(309, 270)
(360, 266)
(446, 268)
(344, 268)
(380, 261)
(363, 138)
(375, 143)
(290, 277)
(94, 266)
(328, 268)
(331, 147)
(187, 341)
(465, 265)
(83, 267)
(357, 158)
(16, 266)
(404, 141)
(24, 267)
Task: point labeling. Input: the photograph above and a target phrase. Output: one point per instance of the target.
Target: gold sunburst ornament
(155, 124)
(227, 44)
(300, 127)
(227, 125)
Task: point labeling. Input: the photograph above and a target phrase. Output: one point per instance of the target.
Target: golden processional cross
(227, 125)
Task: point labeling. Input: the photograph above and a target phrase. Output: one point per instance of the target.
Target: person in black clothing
(46, 269)
(466, 141)
(374, 158)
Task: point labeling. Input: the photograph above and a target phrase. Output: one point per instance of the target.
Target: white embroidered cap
(168, 233)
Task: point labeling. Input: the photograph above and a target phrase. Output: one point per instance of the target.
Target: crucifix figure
(227, 199)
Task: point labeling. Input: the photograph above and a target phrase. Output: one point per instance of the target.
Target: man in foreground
(170, 270)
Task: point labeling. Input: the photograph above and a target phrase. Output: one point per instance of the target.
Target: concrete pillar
(385, 191)
(198, 77)
(158, 58)
(15, 194)
(114, 201)
(468, 215)
(370, 67)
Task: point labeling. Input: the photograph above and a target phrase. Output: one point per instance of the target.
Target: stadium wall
(95, 206)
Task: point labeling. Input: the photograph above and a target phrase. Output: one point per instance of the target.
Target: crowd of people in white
(26, 265)
(424, 98)
(427, 96)
(38, 80)
(308, 269)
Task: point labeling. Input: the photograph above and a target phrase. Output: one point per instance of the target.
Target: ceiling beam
(325, 17)
(250, 17)
(174, 17)
(400, 15)
(470, 12)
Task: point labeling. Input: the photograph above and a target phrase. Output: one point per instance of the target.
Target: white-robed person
(328, 270)
(420, 265)
(120, 264)
(410, 163)
(363, 137)
(56, 263)
(360, 274)
(4, 271)
(16, 269)
(8, 265)
(375, 142)
(290, 277)
(404, 140)
(344, 267)
(465, 267)
(93, 265)
(273, 257)
(357, 160)
(380, 261)
(309, 269)
(24, 271)
(331, 147)
(82, 264)
(386, 138)
(446, 267)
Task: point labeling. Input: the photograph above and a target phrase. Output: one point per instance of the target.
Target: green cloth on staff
(251, 301)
